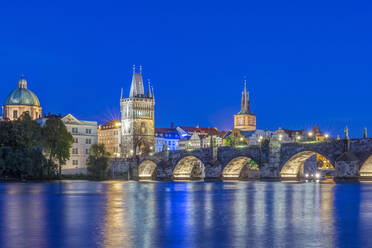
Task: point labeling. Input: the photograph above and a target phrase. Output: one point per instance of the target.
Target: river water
(185, 214)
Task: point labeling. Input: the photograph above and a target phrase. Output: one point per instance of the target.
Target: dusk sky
(305, 62)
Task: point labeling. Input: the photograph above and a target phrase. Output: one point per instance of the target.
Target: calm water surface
(180, 214)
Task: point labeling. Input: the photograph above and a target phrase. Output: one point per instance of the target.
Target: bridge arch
(189, 167)
(294, 166)
(238, 168)
(147, 170)
(366, 168)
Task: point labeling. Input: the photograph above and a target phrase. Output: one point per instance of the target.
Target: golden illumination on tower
(245, 120)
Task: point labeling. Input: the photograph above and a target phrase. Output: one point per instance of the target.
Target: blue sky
(305, 62)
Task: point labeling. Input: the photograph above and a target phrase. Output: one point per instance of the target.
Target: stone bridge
(351, 159)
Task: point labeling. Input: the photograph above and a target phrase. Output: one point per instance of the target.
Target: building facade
(166, 138)
(245, 120)
(21, 101)
(109, 135)
(197, 137)
(85, 135)
(137, 119)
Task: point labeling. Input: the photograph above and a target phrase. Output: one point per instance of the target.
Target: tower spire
(136, 88)
(245, 100)
(121, 94)
(149, 94)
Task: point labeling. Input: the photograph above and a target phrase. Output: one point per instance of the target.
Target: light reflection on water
(185, 214)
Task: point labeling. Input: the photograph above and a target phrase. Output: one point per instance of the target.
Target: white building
(166, 137)
(85, 135)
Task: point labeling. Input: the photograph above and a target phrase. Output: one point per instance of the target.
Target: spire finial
(121, 95)
(134, 69)
(149, 93)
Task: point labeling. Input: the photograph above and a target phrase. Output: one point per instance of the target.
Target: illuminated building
(166, 137)
(109, 135)
(20, 101)
(137, 119)
(85, 135)
(245, 120)
(197, 137)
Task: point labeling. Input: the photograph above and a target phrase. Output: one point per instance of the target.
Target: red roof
(165, 130)
(201, 130)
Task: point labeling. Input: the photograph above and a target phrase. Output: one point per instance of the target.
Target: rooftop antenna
(134, 69)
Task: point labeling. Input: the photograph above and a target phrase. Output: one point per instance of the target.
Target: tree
(229, 141)
(98, 161)
(20, 149)
(57, 142)
(22, 133)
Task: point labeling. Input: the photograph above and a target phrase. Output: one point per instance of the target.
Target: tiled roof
(165, 130)
(210, 131)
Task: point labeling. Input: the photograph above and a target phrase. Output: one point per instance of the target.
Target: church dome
(22, 96)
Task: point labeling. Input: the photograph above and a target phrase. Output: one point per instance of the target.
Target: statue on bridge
(365, 133)
(346, 130)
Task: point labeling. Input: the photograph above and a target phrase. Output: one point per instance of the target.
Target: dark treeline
(29, 151)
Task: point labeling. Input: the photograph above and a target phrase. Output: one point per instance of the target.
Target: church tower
(245, 120)
(137, 118)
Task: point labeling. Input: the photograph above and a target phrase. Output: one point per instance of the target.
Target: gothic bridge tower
(137, 118)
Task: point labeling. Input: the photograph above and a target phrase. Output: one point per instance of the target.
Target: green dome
(22, 96)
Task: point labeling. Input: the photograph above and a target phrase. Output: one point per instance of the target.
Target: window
(75, 151)
(88, 131)
(86, 151)
(76, 140)
(75, 162)
(15, 114)
(250, 121)
(75, 130)
(88, 141)
(241, 121)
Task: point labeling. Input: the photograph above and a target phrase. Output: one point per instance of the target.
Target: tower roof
(245, 108)
(22, 95)
(136, 88)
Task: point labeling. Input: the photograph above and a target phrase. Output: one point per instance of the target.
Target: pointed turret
(245, 101)
(136, 88)
(149, 93)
